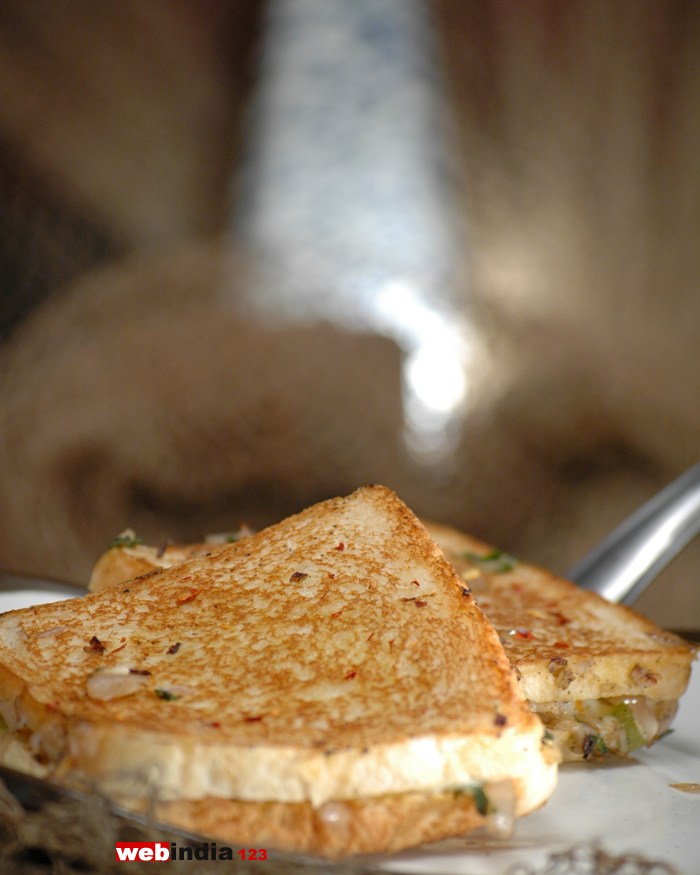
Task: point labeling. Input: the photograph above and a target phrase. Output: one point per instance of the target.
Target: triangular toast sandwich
(326, 686)
(602, 677)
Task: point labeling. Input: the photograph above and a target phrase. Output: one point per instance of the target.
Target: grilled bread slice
(601, 676)
(128, 557)
(328, 685)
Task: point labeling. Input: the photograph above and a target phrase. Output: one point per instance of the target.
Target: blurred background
(256, 254)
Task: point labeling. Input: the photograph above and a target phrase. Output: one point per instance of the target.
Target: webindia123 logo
(159, 852)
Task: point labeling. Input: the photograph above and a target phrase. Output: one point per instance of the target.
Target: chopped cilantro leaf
(496, 561)
(126, 539)
(480, 799)
(593, 745)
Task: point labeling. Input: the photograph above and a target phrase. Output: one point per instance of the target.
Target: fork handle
(626, 562)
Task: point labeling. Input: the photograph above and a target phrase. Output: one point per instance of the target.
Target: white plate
(626, 805)
(26, 598)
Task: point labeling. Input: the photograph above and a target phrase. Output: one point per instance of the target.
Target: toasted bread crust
(122, 562)
(335, 656)
(380, 825)
(567, 643)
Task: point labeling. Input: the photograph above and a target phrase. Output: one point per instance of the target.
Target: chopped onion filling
(591, 727)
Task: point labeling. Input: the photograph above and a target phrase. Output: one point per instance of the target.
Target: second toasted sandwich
(602, 677)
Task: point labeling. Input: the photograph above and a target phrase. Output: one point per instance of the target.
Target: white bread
(335, 657)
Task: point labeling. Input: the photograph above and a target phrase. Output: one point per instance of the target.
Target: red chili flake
(518, 587)
(391, 643)
(214, 724)
(419, 604)
(248, 720)
(117, 649)
(175, 647)
(524, 634)
(561, 619)
(297, 576)
(95, 646)
(122, 639)
(340, 546)
(370, 636)
(415, 583)
(53, 706)
(188, 596)
(331, 575)
(183, 579)
(561, 644)
(337, 613)
(349, 677)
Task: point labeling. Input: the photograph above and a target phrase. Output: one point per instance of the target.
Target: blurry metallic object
(346, 203)
(627, 561)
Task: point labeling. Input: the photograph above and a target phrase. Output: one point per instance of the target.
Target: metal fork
(625, 563)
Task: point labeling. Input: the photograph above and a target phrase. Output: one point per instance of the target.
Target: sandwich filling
(593, 727)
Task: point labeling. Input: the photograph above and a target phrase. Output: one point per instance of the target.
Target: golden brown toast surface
(384, 823)
(335, 654)
(567, 643)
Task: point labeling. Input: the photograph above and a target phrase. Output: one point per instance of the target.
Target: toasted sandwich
(327, 686)
(602, 677)
(128, 556)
